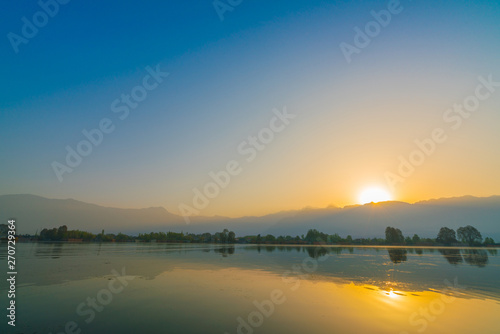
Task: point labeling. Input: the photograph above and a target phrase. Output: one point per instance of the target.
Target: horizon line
(305, 208)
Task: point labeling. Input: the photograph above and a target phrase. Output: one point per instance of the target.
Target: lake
(198, 288)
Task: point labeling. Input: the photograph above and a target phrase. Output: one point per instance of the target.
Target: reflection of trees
(492, 251)
(419, 251)
(397, 255)
(225, 251)
(473, 257)
(336, 250)
(270, 249)
(313, 251)
(316, 252)
(476, 257)
(57, 250)
(453, 256)
(54, 251)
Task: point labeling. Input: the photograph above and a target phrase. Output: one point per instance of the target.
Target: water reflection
(52, 250)
(476, 257)
(397, 255)
(317, 252)
(492, 251)
(452, 255)
(473, 257)
(414, 269)
(197, 300)
(224, 251)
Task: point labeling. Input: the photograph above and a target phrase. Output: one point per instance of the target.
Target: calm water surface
(183, 288)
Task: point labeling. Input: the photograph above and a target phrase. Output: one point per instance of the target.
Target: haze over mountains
(34, 213)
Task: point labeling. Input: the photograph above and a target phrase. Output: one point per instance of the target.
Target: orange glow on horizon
(375, 195)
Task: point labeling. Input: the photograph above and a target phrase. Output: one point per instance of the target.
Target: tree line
(467, 235)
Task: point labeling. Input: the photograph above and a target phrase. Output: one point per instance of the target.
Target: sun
(374, 195)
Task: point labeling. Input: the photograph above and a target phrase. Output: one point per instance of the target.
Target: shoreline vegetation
(464, 236)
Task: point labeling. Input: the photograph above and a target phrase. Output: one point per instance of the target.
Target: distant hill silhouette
(424, 218)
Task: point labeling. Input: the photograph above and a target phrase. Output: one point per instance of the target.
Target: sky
(207, 108)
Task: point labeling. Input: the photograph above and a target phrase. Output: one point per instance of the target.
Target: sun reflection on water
(392, 294)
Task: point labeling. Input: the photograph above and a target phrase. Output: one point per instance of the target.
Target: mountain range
(425, 218)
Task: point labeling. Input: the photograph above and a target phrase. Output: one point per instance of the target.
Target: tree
(469, 235)
(62, 232)
(206, 237)
(270, 238)
(489, 241)
(334, 238)
(224, 236)
(415, 239)
(446, 236)
(394, 235)
(314, 235)
(43, 234)
(47, 234)
(231, 237)
(217, 237)
(122, 237)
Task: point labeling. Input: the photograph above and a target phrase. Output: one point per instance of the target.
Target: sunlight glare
(374, 195)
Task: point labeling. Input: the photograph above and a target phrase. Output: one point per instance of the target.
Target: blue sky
(225, 79)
